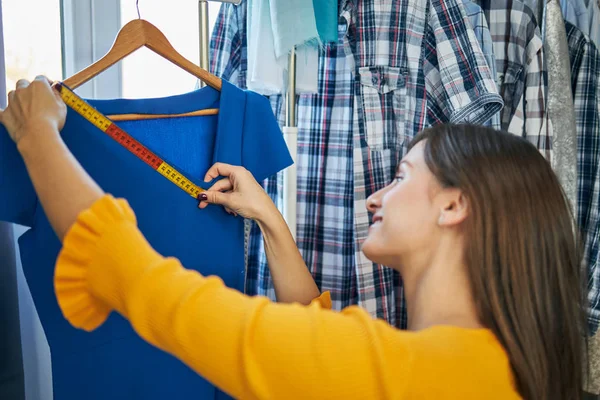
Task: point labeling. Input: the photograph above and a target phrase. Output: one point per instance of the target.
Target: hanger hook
(137, 6)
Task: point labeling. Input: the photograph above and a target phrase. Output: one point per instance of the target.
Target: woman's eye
(399, 178)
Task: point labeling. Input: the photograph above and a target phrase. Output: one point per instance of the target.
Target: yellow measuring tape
(126, 140)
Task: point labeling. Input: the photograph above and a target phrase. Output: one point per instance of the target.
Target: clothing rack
(290, 130)
(290, 133)
(203, 31)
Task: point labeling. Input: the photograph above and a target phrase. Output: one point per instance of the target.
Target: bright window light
(146, 74)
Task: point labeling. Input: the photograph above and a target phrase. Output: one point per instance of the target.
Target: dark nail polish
(202, 197)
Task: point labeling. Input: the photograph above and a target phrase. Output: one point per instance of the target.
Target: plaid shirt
(398, 67)
(482, 32)
(518, 49)
(585, 82)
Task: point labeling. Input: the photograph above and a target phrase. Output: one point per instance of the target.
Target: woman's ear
(455, 208)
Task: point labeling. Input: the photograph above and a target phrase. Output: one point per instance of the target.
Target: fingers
(220, 169)
(213, 197)
(222, 186)
(43, 79)
(216, 197)
(22, 83)
(230, 212)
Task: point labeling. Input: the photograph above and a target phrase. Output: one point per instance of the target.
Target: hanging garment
(585, 15)
(593, 384)
(577, 13)
(326, 14)
(560, 102)
(585, 81)
(482, 32)
(397, 67)
(113, 362)
(519, 53)
(274, 27)
(292, 23)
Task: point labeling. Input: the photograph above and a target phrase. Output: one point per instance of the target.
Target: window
(32, 45)
(145, 74)
(90, 28)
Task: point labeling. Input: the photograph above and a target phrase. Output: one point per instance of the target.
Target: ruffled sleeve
(249, 347)
(96, 265)
(324, 300)
(78, 303)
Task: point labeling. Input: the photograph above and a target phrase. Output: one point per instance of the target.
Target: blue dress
(113, 362)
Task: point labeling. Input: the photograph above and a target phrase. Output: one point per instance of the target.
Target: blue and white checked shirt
(521, 73)
(585, 15)
(585, 82)
(398, 67)
(484, 37)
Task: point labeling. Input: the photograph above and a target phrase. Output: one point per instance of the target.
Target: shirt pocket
(383, 97)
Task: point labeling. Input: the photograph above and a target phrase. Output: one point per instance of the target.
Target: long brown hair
(523, 255)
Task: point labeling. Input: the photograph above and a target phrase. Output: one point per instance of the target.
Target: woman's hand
(34, 117)
(238, 192)
(33, 107)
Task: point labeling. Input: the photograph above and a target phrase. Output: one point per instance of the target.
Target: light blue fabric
(294, 23)
(576, 12)
(326, 14)
(484, 37)
(585, 15)
(275, 27)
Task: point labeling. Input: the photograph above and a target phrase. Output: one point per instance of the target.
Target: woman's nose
(374, 202)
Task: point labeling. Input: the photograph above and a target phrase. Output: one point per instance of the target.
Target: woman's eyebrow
(405, 162)
(400, 165)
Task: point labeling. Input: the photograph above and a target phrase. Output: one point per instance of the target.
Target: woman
(475, 222)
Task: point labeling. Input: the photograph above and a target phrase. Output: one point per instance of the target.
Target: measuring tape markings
(124, 139)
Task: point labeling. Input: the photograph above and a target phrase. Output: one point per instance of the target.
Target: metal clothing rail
(204, 33)
(290, 130)
(290, 133)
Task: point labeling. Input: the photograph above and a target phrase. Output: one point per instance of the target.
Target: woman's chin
(371, 249)
(379, 251)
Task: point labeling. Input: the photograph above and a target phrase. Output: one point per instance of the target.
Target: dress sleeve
(460, 85)
(264, 150)
(248, 346)
(18, 199)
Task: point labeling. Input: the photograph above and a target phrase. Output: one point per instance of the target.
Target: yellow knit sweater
(253, 348)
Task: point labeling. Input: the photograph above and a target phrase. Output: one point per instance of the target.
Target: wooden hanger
(137, 117)
(134, 35)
